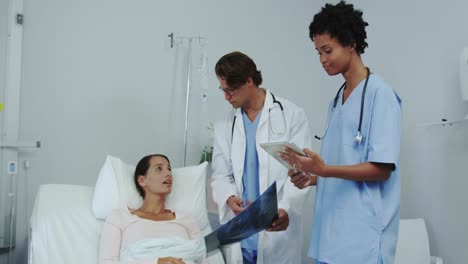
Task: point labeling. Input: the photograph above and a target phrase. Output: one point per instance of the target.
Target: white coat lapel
(267, 105)
(238, 149)
(263, 137)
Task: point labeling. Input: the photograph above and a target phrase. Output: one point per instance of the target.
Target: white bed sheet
(64, 229)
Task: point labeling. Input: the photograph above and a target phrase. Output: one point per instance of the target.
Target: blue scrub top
(250, 177)
(356, 221)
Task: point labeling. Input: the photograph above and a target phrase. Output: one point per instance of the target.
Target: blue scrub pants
(249, 256)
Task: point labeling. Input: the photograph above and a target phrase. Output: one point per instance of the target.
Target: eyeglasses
(228, 90)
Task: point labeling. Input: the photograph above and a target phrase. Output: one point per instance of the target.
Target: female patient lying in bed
(151, 234)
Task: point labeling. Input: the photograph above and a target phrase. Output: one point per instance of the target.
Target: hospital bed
(64, 227)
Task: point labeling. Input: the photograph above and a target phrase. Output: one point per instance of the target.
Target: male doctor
(242, 170)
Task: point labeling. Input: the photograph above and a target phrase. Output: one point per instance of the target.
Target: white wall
(97, 75)
(416, 45)
(3, 57)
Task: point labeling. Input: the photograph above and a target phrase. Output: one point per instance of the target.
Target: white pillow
(115, 188)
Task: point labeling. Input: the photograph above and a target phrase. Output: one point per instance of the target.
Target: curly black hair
(342, 22)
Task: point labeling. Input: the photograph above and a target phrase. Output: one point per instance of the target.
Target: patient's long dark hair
(141, 169)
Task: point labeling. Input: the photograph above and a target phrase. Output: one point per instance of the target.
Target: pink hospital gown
(122, 228)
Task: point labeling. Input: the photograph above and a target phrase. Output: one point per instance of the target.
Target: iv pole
(189, 73)
(189, 76)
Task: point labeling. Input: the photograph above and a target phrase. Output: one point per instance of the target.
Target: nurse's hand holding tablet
(297, 161)
(275, 148)
(310, 162)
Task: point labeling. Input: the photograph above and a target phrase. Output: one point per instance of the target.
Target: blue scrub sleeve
(385, 127)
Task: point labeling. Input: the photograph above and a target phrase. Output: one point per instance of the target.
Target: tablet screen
(274, 148)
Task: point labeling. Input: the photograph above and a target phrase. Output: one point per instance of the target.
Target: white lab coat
(228, 166)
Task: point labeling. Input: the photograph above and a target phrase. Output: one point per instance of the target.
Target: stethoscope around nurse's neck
(358, 138)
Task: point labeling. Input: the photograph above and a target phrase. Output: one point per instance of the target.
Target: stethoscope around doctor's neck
(358, 138)
(269, 113)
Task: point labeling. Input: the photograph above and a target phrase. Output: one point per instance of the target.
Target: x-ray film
(257, 217)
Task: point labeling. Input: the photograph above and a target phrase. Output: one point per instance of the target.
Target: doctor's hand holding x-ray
(242, 170)
(280, 224)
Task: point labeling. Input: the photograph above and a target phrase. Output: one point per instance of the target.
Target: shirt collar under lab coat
(267, 105)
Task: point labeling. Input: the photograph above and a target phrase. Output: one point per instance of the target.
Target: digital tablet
(274, 148)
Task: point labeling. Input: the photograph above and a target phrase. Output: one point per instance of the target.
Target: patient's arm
(111, 240)
(195, 233)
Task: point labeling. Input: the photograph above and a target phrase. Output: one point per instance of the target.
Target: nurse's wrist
(325, 172)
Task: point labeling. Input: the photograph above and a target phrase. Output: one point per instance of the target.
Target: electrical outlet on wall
(12, 167)
(27, 164)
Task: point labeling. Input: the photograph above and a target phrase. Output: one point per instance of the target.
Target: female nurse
(357, 173)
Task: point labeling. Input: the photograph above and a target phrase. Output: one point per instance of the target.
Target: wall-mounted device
(464, 74)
